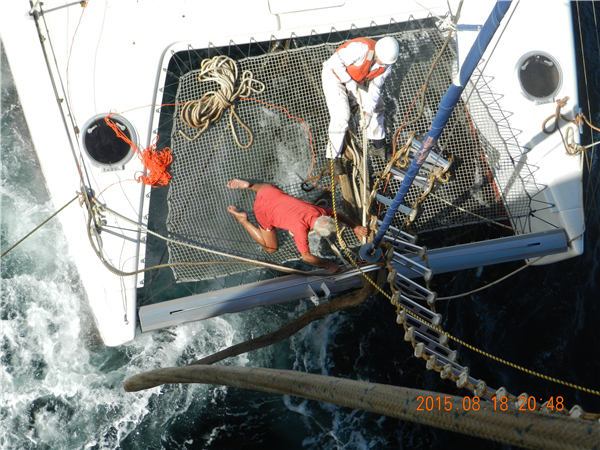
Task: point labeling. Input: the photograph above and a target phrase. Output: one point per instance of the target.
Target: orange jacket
(363, 72)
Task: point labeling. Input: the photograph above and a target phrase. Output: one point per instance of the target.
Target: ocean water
(62, 389)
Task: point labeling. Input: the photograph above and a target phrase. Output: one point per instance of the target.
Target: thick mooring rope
(318, 312)
(525, 429)
(209, 109)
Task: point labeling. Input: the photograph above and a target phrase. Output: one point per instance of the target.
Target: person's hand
(360, 231)
(365, 120)
(352, 87)
(332, 267)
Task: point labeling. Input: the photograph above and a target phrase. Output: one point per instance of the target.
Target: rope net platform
(483, 186)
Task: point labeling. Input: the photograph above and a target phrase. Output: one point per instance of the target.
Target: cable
(39, 226)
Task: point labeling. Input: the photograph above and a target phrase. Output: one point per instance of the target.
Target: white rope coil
(199, 114)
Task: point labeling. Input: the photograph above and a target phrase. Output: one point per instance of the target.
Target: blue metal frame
(445, 108)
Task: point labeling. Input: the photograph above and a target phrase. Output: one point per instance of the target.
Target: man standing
(276, 209)
(354, 64)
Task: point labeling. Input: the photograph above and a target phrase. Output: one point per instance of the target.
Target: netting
(483, 186)
(280, 154)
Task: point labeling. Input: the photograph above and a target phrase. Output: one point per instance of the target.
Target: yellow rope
(449, 336)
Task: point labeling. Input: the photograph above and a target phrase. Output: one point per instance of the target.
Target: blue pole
(445, 108)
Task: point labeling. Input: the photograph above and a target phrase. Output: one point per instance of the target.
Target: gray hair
(325, 226)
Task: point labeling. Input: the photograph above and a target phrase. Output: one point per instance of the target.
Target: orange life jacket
(363, 72)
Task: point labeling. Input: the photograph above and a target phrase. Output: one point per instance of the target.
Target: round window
(540, 76)
(104, 148)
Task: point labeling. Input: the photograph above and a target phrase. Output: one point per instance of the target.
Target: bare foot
(239, 215)
(238, 184)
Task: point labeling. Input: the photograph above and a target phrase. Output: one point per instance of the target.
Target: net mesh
(483, 185)
(280, 154)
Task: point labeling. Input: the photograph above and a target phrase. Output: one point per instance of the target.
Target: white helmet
(387, 50)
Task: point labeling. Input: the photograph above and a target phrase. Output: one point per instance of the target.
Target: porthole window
(103, 147)
(540, 76)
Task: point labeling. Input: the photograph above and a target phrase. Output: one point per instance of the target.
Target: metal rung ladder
(388, 201)
(433, 163)
(428, 341)
(418, 310)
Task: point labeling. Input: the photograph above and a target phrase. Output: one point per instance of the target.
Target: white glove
(365, 120)
(352, 86)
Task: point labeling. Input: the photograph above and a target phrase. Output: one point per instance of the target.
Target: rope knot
(156, 162)
(561, 103)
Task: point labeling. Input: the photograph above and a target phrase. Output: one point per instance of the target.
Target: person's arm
(312, 259)
(371, 97)
(353, 53)
(359, 230)
(301, 239)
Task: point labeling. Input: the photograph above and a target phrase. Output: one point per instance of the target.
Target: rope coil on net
(199, 114)
(155, 161)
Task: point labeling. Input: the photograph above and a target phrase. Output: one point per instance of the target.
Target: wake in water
(60, 387)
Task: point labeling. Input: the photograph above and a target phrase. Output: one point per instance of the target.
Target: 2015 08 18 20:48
(431, 403)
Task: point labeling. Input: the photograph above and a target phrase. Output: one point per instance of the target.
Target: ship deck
(288, 121)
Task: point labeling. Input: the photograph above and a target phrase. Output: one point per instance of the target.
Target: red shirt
(274, 208)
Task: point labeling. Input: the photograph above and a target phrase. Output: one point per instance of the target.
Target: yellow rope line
(455, 339)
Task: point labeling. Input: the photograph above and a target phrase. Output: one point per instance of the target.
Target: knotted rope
(557, 115)
(571, 146)
(199, 114)
(155, 161)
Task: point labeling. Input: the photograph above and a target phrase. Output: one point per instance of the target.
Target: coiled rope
(199, 114)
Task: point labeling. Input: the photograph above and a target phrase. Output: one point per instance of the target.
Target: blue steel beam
(445, 108)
